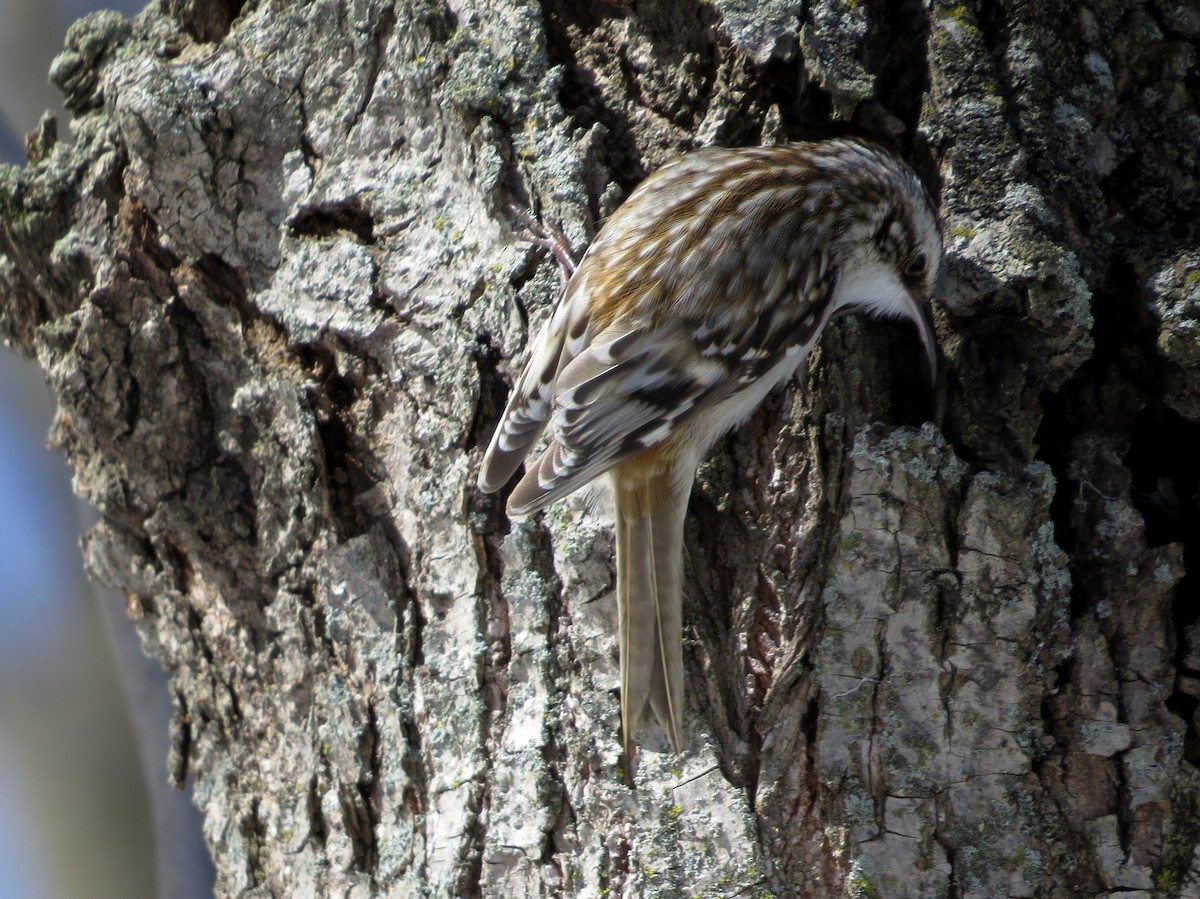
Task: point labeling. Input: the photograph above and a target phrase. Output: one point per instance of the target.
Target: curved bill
(921, 313)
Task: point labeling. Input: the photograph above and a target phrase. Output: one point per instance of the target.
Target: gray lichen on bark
(275, 290)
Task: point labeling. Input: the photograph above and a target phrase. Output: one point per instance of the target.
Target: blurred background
(85, 810)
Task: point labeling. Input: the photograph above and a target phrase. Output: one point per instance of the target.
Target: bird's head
(888, 255)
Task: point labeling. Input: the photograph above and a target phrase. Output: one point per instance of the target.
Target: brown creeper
(707, 288)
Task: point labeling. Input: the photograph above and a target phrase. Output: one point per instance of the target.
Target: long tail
(650, 603)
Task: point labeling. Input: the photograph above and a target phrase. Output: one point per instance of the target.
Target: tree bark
(940, 643)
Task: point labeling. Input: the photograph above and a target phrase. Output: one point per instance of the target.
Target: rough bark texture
(276, 291)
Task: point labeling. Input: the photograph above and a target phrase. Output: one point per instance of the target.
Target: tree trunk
(939, 643)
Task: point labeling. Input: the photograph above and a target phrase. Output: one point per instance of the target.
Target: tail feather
(650, 604)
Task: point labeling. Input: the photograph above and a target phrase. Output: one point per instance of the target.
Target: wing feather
(631, 391)
(561, 339)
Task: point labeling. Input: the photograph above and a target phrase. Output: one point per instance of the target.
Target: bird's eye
(918, 265)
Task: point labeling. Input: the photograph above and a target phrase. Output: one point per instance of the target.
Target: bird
(704, 290)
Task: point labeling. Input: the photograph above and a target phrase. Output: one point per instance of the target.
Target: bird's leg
(548, 238)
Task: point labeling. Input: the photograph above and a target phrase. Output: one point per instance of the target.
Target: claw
(547, 238)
